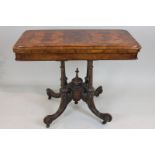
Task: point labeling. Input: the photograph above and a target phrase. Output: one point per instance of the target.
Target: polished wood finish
(76, 90)
(63, 45)
(46, 45)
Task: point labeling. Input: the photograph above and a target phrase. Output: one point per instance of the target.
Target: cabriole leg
(90, 95)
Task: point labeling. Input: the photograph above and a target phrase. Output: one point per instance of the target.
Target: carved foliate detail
(76, 90)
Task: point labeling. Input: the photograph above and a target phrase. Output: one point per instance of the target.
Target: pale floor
(26, 106)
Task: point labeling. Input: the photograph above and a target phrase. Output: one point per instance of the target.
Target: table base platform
(75, 91)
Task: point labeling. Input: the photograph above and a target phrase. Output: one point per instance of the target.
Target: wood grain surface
(44, 45)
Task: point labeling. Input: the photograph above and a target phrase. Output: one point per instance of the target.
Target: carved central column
(76, 90)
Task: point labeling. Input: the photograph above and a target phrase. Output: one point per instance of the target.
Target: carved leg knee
(98, 91)
(51, 93)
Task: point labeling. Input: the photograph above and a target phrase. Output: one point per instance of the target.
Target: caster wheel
(49, 97)
(47, 121)
(47, 125)
(107, 118)
(48, 91)
(104, 122)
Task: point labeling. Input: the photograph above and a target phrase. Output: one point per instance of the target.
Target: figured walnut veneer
(60, 45)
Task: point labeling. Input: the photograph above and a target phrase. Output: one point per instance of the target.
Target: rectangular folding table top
(57, 45)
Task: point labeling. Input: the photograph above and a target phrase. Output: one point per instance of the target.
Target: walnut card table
(65, 45)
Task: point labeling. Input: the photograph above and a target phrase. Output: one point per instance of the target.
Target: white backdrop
(129, 87)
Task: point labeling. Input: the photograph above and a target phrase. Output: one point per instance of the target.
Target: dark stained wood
(47, 45)
(76, 90)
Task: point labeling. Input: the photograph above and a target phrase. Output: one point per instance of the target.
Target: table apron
(63, 56)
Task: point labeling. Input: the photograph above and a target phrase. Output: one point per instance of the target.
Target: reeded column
(90, 74)
(63, 74)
